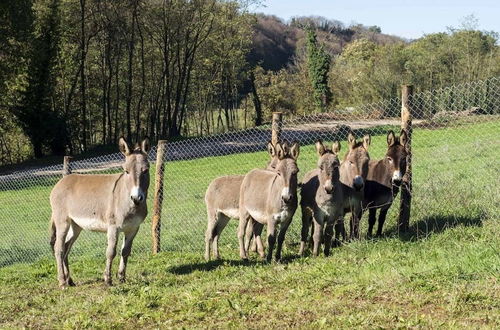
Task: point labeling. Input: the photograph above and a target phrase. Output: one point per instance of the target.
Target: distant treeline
(75, 75)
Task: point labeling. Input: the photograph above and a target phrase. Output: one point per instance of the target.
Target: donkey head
(286, 168)
(396, 156)
(328, 164)
(136, 169)
(356, 160)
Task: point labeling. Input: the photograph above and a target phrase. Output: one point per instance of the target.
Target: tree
(41, 123)
(319, 66)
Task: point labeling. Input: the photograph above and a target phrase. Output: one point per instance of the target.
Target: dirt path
(250, 140)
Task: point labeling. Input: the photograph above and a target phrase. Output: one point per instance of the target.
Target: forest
(77, 75)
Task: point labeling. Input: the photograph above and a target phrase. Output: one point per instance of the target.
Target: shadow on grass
(209, 266)
(434, 225)
(214, 264)
(17, 254)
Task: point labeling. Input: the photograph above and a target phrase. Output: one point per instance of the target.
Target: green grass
(442, 273)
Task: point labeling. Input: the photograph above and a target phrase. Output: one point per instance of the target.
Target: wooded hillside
(75, 75)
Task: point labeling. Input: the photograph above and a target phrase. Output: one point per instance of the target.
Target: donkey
(353, 173)
(109, 203)
(222, 200)
(270, 197)
(384, 179)
(322, 198)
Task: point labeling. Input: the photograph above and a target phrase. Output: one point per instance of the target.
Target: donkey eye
(126, 171)
(389, 159)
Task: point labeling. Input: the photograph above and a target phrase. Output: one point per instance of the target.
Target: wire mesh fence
(455, 145)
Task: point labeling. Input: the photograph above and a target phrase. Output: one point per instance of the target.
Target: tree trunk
(82, 76)
(256, 101)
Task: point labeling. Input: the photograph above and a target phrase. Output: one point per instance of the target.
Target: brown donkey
(383, 180)
(353, 173)
(109, 203)
(322, 198)
(222, 199)
(270, 197)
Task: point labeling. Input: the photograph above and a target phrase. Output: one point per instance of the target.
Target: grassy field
(444, 272)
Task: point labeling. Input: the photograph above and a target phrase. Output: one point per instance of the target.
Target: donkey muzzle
(137, 195)
(397, 178)
(358, 183)
(328, 187)
(286, 196)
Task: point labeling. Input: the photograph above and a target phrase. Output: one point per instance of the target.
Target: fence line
(455, 142)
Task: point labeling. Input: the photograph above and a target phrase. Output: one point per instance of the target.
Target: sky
(408, 19)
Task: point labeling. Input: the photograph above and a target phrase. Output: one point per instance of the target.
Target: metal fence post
(66, 165)
(276, 127)
(406, 186)
(158, 195)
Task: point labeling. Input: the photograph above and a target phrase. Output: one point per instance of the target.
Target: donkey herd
(114, 203)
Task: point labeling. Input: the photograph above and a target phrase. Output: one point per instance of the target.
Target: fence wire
(455, 145)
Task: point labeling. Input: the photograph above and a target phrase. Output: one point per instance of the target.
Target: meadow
(443, 272)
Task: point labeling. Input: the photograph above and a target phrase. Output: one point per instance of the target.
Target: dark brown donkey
(353, 173)
(383, 180)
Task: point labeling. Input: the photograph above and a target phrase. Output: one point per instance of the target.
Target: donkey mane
(356, 145)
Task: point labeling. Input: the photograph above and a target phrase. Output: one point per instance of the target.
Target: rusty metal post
(158, 195)
(66, 165)
(406, 186)
(276, 127)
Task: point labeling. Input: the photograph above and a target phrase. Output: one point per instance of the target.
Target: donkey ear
(271, 149)
(145, 145)
(123, 146)
(320, 148)
(351, 140)
(367, 140)
(280, 152)
(295, 150)
(285, 146)
(391, 138)
(403, 138)
(336, 147)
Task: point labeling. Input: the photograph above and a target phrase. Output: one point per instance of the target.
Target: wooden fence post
(276, 127)
(158, 195)
(66, 165)
(406, 186)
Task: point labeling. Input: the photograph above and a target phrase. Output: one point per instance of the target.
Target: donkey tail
(52, 235)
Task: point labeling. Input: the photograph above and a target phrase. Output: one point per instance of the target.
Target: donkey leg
(62, 228)
(328, 237)
(222, 221)
(381, 220)
(372, 217)
(271, 238)
(110, 253)
(244, 218)
(71, 237)
(281, 238)
(248, 237)
(306, 224)
(339, 229)
(210, 233)
(318, 232)
(128, 238)
(257, 233)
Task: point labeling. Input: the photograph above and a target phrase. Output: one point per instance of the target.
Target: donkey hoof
(70, 282)
(122, 279)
